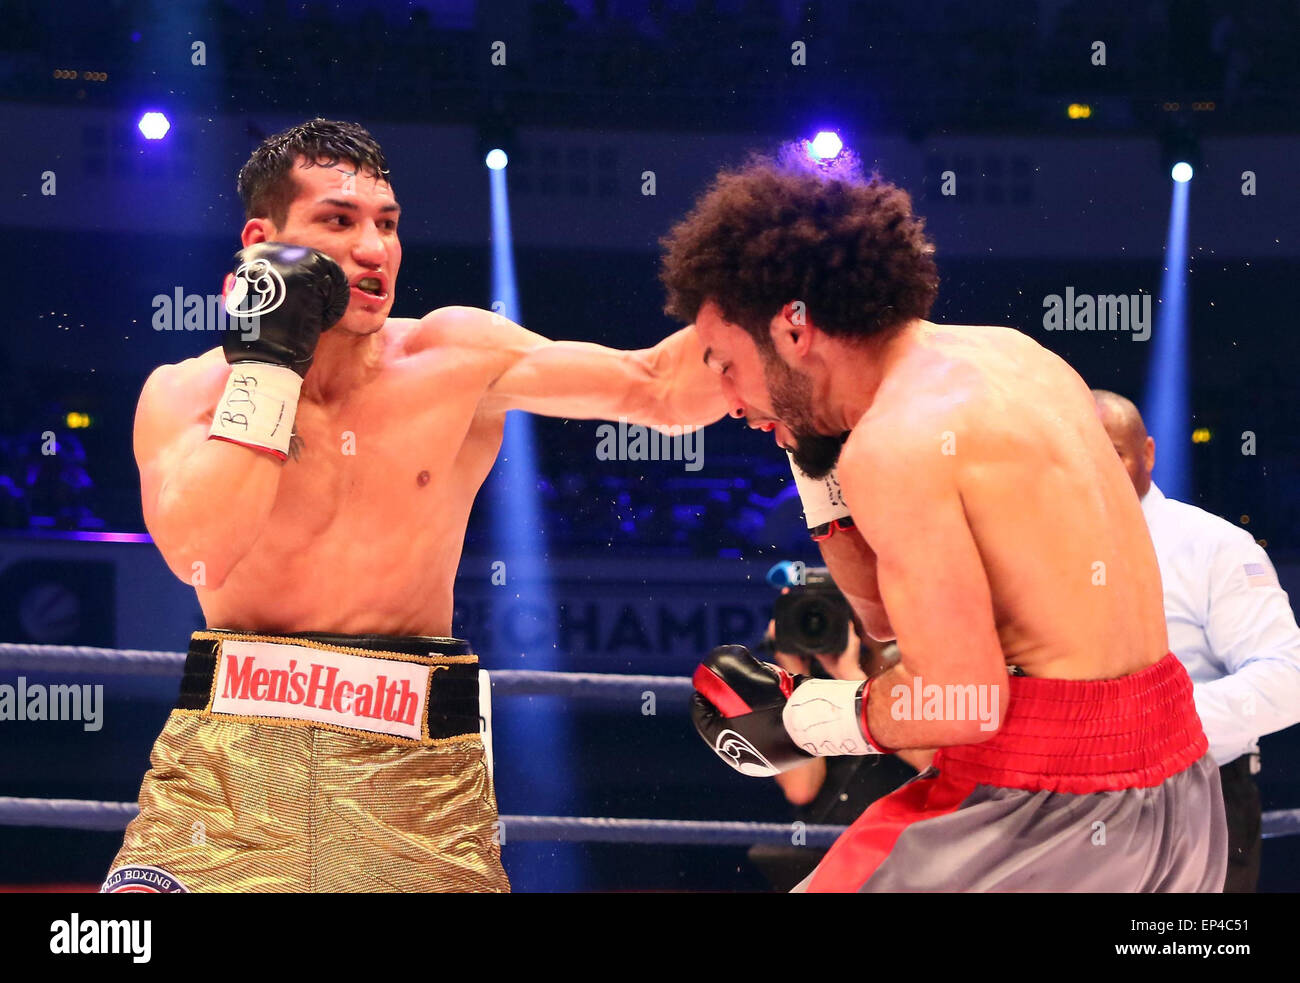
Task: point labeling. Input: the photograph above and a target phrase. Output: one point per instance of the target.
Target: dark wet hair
(266, 184)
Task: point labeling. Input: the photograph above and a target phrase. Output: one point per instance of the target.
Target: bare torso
(1072, 573)
(366, 530)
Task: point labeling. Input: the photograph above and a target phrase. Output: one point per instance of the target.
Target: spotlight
(1181, 172)
(826, 145)
(496, 160)
(154, 126)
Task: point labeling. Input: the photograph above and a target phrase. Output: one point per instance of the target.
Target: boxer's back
(1073, 575)
(369, 518)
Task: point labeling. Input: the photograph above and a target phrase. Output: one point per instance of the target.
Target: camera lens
(813, 622)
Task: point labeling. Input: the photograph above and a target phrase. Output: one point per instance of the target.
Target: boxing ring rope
(108, 816)
(87, 658)
(506, 682)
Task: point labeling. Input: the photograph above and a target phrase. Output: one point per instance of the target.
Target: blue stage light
(1167, 406)
(826, 145)
(154, 125)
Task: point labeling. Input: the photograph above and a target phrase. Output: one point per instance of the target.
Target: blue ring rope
(88, 814)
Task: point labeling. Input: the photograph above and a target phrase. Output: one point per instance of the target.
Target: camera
(813, 617)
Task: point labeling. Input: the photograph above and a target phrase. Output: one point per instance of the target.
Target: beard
(814, 453)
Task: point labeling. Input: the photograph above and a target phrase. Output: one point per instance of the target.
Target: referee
(1231, 626)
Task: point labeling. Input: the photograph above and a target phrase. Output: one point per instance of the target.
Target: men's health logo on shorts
(141, 879)
(272, 679)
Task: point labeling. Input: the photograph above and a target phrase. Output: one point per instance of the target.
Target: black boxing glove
(762, 720)
(737, 710)
(280, 298)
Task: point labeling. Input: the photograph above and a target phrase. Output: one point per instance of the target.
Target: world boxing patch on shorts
(295, 682)
(141, 879)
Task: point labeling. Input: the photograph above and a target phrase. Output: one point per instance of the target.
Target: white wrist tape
(821, 717)
(823, 501)
(258, 407)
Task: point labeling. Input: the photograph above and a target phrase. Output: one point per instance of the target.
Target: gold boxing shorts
(318, 762)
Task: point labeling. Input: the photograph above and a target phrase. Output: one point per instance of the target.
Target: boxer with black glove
(280, 298)
(342, 566)
(763, 720)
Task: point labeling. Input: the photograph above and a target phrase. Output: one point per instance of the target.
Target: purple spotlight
(154, 126)
(826, 145)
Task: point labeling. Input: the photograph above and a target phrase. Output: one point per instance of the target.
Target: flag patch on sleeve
(1259, 575)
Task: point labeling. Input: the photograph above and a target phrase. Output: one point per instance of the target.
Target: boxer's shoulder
(474, 336)
(453, 326)
(176, 399)
(973, 385)
(195, 381)
(899, 447)
(914, 416)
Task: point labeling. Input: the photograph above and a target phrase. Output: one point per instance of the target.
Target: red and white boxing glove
(762, 720)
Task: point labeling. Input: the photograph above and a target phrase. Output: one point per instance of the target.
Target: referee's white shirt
(1230, 624)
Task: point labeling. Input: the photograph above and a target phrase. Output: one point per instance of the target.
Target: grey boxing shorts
(1088, 785)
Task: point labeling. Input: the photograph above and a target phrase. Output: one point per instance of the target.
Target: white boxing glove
(824, 508)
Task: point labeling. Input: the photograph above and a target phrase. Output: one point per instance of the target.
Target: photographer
(810, 617)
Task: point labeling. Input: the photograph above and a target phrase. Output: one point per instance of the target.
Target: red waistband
(1081, 736)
